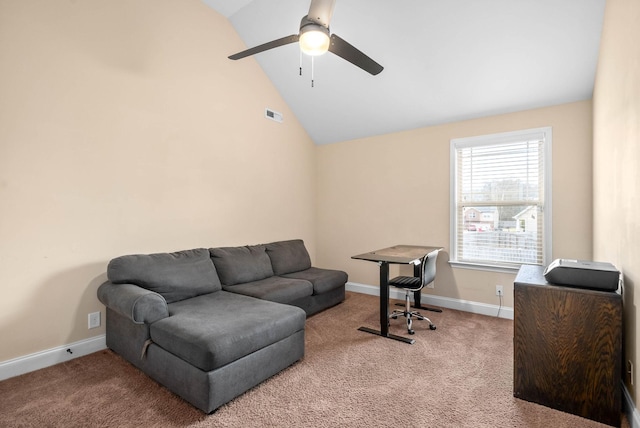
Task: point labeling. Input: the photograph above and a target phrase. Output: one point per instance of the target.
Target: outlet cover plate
(94, 319)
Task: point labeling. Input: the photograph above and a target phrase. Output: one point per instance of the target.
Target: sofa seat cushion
(236, 265)
(213, 330)
(288, 256)
(275, 289)
(175, 276)
(323, 280)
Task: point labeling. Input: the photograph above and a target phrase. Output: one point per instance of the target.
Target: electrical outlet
(499, 290)
(94, 319)
(630, 372)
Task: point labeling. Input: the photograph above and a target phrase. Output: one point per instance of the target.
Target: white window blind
(501, 214)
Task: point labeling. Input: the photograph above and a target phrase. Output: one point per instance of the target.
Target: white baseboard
(629, 408)
(50, 357)
(443, 302)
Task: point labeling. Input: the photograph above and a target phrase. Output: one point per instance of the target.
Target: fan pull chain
(312, 68)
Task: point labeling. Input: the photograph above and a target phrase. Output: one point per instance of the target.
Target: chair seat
(406, 282)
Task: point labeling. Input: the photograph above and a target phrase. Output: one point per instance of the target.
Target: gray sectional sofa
(210, 324)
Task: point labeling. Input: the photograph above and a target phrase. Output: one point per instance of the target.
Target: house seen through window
(501, 199)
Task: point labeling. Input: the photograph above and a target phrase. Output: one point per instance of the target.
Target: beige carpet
(459, 375)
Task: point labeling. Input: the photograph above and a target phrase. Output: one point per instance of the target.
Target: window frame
(546, 203)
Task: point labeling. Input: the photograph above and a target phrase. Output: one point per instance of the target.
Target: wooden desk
(567, 347)
(398, 254)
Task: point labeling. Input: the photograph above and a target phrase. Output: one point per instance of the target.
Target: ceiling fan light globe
(314, 42)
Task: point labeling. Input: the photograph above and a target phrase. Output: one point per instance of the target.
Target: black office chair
(411, 284)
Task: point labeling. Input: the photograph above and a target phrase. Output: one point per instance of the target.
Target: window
(501, 200)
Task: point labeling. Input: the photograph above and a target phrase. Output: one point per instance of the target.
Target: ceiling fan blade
(266, 46)
(320, 11)
(344, 50)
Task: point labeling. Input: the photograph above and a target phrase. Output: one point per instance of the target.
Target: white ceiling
(444, 60)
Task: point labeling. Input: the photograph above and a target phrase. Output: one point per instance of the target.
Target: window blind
(499, 200)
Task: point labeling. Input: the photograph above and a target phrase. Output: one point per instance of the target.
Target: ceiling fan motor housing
(314, 37)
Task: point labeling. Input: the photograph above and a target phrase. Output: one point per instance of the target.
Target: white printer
(583, 274)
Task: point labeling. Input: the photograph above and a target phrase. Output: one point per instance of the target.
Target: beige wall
(616, 112)
(394, 189)
(123, 129)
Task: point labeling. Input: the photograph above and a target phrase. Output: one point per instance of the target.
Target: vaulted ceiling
(444, 60)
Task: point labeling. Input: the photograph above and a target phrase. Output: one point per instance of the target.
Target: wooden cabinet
(567, 347)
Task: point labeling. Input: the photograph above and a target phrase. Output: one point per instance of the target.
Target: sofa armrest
(136, 303)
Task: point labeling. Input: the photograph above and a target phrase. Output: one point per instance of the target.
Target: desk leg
(384, 308)
(384, 299)
(417, 305)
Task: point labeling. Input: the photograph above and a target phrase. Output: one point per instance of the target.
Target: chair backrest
(428, 268)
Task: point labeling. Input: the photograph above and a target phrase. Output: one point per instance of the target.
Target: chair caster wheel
(432, 327)
(412, 332)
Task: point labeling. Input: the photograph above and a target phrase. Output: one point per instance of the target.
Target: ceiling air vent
(273, 115)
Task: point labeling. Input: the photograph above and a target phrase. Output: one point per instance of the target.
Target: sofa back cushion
(237, 265)
(288, 256)
(175, 276)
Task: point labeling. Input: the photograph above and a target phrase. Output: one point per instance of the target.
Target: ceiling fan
(315, 39)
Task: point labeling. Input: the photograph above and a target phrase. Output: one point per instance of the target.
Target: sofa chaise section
(168, 315)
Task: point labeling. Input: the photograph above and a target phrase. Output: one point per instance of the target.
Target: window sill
(484, 267)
